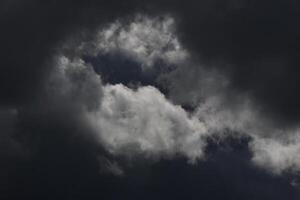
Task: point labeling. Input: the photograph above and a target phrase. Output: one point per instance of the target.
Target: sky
(154, 99)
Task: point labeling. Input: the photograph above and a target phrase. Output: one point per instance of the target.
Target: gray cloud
(203, 73)
(145, 39)
(146, 121)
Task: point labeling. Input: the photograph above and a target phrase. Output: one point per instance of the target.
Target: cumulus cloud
(273, 146)
(76, 81)
(126, 121)
(230, 71)
(144, 39)
(144, 121)
(277, 155)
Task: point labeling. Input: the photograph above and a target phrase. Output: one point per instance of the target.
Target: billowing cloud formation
(187, 86)
(132, 122)
(277, 155)
(129, 121)
(146, 40)
(144, 121)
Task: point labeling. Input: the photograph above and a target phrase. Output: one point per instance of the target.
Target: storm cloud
(100, 97)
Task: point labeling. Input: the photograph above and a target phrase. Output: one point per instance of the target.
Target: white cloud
(274, 148)
(145, 40)
(144, 121)
(126, 121)
(277, 155)
(75, 81)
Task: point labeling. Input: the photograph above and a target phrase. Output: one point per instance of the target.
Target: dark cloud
(255, 42)
(30, 32)
(49, 150)
(70, 171)
(36, 118)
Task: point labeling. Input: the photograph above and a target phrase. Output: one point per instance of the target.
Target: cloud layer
(145, 121)
(92, 92)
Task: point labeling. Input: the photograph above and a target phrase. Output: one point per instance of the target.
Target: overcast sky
(158, 99)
